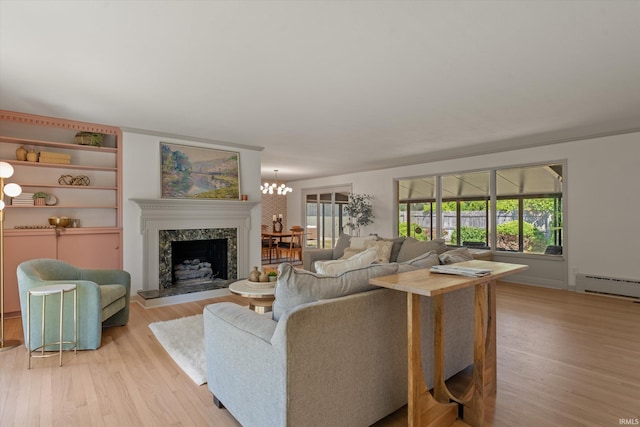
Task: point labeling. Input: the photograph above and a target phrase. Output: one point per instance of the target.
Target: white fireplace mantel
(180, 214)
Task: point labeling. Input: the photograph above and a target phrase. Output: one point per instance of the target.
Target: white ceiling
(328, 87)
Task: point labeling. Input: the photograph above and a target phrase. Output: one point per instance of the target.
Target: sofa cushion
(111, 293)
(395, 249)
(426, 260)
(360, 242)
(338, 266)
(357, 244)
(412, 248)
(456, 255)
(349, 252)
(112, 300)
(295, 286)
(382, 247)
(342, 243)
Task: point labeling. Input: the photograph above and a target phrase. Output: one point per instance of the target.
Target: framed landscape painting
(199, 173)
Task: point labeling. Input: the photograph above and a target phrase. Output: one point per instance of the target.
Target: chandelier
(275, 188)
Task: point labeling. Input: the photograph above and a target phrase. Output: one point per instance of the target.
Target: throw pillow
(395, 249)
(341, 265)
(341, 245)
(359, 242)
(297, 286)
(426, 260)
(456, 255)
(383, 249)
(349, 252)
(412, 248)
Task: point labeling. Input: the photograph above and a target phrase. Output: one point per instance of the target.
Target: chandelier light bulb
(1, 205)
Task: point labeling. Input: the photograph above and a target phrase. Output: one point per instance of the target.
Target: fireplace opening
(198, 261)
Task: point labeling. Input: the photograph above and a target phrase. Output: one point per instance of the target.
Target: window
(417, 219)
(465, 208)
(529, 209)
(528, 216)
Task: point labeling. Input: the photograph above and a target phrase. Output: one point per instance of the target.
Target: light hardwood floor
(564, 359)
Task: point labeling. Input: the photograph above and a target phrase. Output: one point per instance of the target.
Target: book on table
(460, 271)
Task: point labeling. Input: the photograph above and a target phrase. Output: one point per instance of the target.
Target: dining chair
(292, 249)
(269, 249)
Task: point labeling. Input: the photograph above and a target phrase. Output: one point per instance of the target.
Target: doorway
(325, 216)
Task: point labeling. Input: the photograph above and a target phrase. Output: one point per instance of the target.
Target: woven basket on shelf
(89, 138)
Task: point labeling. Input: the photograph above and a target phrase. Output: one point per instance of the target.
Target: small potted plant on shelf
(273, 276)
(40, 198)
(89, 138)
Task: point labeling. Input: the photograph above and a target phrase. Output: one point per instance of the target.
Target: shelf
(97, 242)
(64, 145)
(61, 206)
(70, 187)
(59, 166)
(96, 205)
(68, 230)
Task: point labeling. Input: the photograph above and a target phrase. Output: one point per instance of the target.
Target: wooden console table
(441, 407)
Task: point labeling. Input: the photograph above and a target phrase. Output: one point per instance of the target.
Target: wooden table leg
(474, 410)
(423, 408)
(491, 377)
(440, 391)
(270, 249)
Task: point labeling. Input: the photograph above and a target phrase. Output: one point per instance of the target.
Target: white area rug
(184, 341)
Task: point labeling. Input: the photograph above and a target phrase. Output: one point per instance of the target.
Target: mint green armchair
(103, 300)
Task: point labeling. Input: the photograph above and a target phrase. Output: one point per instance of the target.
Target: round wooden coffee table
(260, 294)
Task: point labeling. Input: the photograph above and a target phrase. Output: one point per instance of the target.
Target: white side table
(260, 294)
(44, 292)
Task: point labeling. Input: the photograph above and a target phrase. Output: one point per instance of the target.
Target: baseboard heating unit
(608, 285)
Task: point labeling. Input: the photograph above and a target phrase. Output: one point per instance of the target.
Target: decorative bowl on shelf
(62, 221)
(51, 200)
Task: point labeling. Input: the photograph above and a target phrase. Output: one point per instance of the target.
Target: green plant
(40, 195)
(272, 273)
(473, 234)
(532, 240)
(89, 138)
(360, 211)
(422, 236)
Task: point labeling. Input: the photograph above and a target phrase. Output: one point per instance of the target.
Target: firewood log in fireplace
(193, 269)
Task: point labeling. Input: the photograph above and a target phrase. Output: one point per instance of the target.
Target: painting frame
(198, 173)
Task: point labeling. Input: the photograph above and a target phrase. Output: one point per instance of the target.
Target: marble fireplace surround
(181, 214)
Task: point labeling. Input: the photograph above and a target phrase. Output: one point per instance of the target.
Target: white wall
(602, 226)
(141, 180)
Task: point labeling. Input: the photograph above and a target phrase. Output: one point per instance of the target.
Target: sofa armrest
(242, 365)
(243, 320)
(310, 256)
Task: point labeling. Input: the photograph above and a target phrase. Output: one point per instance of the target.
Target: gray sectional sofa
(334, 353)
(403, 249)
